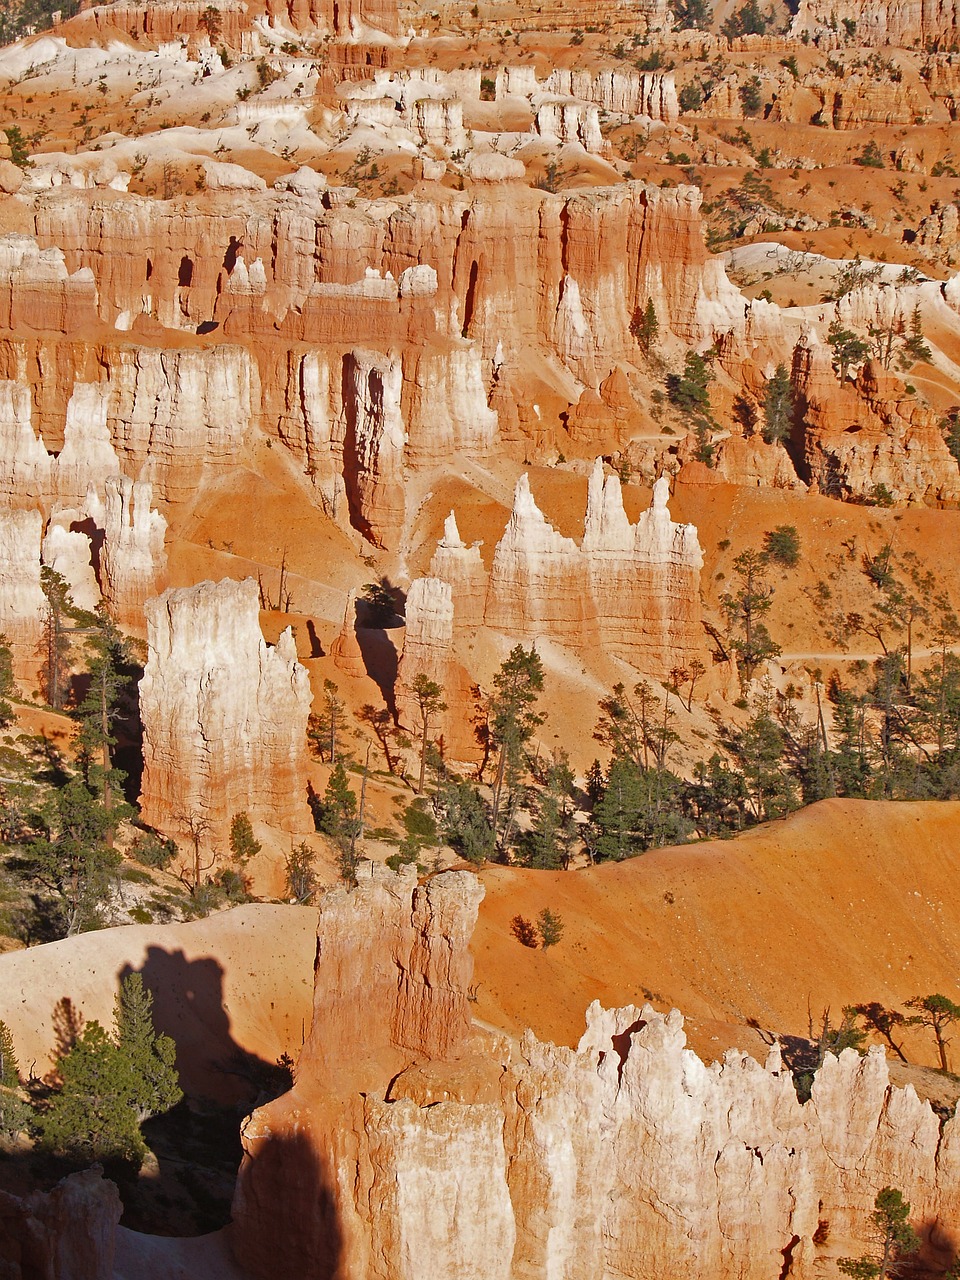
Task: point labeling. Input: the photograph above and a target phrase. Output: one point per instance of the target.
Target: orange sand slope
(230, 989)
(844, 902)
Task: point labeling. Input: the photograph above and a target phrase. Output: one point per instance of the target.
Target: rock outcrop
(934, 24)
(68, 1233)
(633, 590)
(869, 433)
(412, 1146)
(23, 606)
(224, 716)
(132, 556)
(371, 338)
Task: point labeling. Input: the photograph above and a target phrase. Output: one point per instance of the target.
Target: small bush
(550, 928)
(153, 851)
(134, 875)
(783, 545)
(870, 157)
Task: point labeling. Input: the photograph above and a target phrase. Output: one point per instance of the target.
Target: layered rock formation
(934, 24)
(633, 590)
(132, 556)
(224, 716)
(868, 433)
(371, 338)
(410, 1146)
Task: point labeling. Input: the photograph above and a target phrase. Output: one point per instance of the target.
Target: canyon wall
(67, 1233)
(929, 23)
(413, 1144)
(224, 717)
(370, 339)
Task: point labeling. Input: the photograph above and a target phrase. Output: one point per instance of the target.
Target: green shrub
(782, 545)
(870, 157)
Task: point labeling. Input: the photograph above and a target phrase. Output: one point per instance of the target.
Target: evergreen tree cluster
(108, 1084)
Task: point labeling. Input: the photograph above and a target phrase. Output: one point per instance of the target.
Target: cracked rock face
(411, 1146)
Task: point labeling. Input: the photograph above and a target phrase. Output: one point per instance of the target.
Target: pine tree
(56, 646)
(8, 687)
(744, 607)
(111, 671)
(553, 830)
(936, 1012)
(428, 697)
(243, 843)
(894, 1237)
(848, 349)
(550, 928)
(778, 406)
(513, 716)
(466, 822)
(302, 879)
(152, 1056)
(325, 728)
(338, 809)
(645, 327)
(71, 856)
(95, 1115)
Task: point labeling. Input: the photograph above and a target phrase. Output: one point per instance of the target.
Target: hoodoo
(224, 715)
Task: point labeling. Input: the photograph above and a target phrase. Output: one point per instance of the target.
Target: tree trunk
(423, 753)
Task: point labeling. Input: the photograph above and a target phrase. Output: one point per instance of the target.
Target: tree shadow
(316, 648)
(286, 1220)
(67, 1026)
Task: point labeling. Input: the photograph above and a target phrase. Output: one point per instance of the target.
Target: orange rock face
(372, 340)
(68, 1233)
(869, 433)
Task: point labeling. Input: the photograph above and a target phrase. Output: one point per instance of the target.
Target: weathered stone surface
(23, 606)
(869, 432)
(132, 557)
(68, 1233)
(224, 716)
(634, 590)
